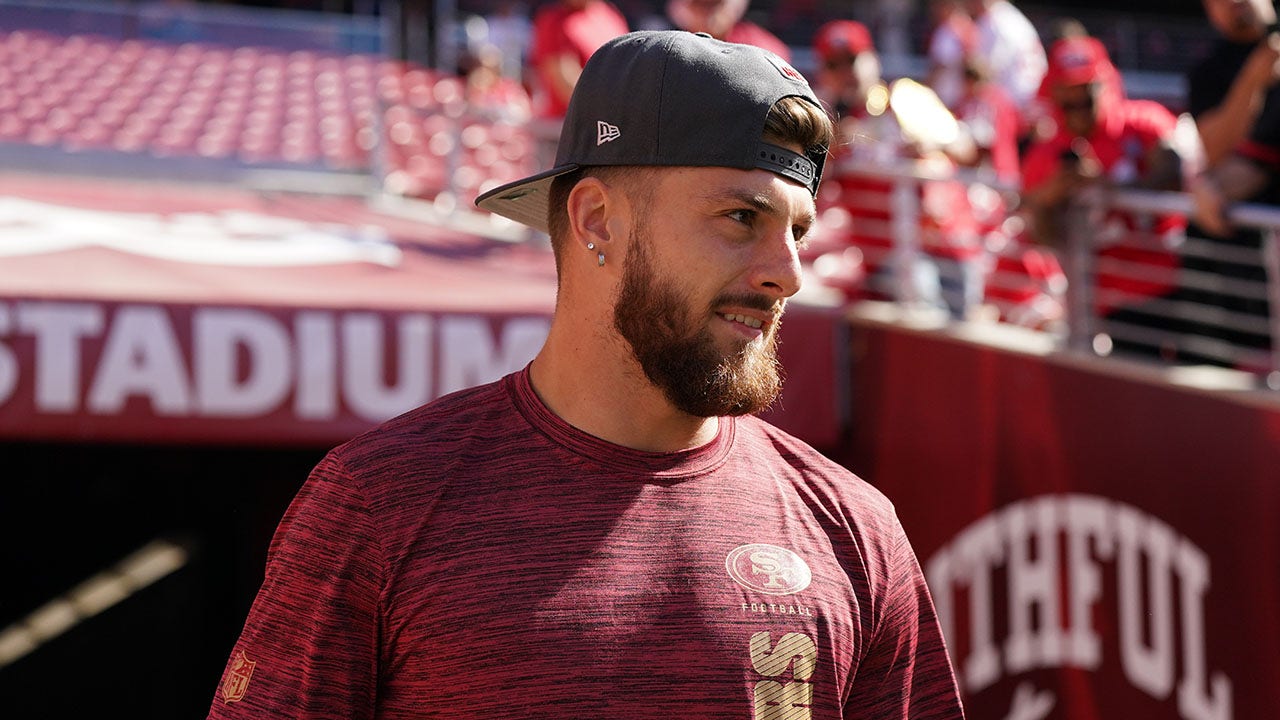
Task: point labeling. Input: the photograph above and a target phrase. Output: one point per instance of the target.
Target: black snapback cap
(671, 98)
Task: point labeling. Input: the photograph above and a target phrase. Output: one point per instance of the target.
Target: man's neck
(609, 397)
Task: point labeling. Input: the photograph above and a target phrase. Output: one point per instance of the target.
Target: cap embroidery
(606, 132)
(787, 71)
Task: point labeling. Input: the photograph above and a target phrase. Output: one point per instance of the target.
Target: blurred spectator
(1037, 117)
(510, 31)
(1099, 135)
(1027, 284)
(1066, 27)
(1010, 47)
(565, 34)
(1102, 138)
(489, 93)
(848, 72)
(991, 119)
(723, 19)
(953, 39)
(1235, 100)
(878, 128)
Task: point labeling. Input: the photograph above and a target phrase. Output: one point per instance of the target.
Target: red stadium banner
(130, 313)
(145, 372)
(184, 373)
(1100, 544)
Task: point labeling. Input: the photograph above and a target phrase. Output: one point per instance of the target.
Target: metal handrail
(1080, 261)
(1263, 218)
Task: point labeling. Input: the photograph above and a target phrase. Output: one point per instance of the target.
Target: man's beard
(681, 357)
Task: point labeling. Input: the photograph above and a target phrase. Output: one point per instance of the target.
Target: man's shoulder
(1148, 116)
(419, 431)
(765, 442)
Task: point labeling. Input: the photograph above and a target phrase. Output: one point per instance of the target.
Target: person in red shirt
(947, 268)
(991, 119)
(564, 36)
(610, 532)
(723, 19)
(1098, 138)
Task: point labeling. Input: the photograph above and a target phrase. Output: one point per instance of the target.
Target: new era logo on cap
(606, 132)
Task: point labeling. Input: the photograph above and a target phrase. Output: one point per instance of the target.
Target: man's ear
(591, 202)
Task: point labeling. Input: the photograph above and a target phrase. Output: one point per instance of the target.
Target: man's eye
(801, 235)
(743, 216)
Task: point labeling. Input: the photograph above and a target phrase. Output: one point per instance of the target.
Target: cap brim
(524, 201)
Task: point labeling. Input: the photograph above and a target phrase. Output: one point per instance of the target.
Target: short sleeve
(1151, 121)
(309, 647)
(905, 673)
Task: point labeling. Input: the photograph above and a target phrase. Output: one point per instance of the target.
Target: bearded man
(609, 533)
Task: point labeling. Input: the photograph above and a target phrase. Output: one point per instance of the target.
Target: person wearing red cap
(1096, 134)
(848, 72)
(1099, 137)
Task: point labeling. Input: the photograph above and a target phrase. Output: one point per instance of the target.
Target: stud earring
(600, 258)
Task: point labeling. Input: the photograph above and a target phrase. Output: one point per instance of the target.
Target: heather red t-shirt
(480, 558)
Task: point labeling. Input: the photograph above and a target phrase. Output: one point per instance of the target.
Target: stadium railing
(1131, 275)
(1222, 305)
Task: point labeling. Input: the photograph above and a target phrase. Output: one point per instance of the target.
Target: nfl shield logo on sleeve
(236, 682)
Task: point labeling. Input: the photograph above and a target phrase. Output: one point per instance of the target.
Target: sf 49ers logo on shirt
(768, 569)
(236, 682)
